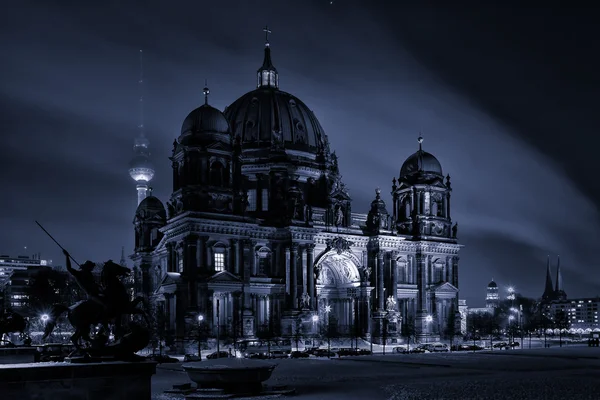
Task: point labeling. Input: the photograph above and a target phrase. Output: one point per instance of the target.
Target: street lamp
(44, 318)
(327, 311)
(429, 320)
(200, 320)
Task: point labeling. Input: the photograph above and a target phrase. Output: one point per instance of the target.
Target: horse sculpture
(11, 322)
(114, 304)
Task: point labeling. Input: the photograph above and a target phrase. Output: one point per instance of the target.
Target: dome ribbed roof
(151, 206)
(421, 161)
(205, 119)
(268, 116)
(492, 284)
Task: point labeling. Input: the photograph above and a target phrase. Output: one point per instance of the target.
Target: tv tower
(140, 168)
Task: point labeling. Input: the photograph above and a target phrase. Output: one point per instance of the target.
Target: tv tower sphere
(140, 168)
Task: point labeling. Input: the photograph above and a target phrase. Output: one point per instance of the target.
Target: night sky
(505, 97)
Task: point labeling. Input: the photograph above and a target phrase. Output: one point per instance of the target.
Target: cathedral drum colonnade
(259, 236)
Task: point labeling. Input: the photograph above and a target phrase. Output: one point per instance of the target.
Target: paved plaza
(557, 373)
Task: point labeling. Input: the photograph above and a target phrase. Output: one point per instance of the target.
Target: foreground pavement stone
(545, 374)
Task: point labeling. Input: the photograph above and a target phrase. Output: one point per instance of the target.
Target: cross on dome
(266, 30)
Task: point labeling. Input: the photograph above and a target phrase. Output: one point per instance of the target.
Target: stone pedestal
(248, 321)
(377, 326)
(17, 355)
(289, 321)
(93, 381)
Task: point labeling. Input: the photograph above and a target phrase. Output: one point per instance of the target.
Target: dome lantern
(267, 74)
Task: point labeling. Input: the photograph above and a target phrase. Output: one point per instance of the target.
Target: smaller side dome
(205, 119)
(150, 207)
(422, 162)
(492, 284)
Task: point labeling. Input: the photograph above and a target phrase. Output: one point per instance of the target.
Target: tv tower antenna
(141, 90)
(140, 168)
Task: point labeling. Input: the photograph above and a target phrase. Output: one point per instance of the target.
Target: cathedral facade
(259, 232)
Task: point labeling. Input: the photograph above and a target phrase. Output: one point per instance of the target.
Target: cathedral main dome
(268, 117)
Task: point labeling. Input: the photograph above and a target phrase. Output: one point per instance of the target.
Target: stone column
(448, 206)
(191, 270)
(380, 282)
(302, 253)
(288, 275)
(394, 265)
(294, 275)
(445, 206)
(170, 261)
(201, 253)
(421, 261)
(455, 271)
(310, 248)
(237, 246)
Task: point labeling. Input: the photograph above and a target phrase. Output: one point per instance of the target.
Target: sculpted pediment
(171, 278)
(445, 287)
(224, 277)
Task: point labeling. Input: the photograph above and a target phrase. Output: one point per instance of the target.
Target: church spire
(267, 74)
(559, 282)
(548, 290)
(420, 152)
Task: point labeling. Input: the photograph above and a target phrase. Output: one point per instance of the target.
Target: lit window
(180, 263)
(265, 199)
(219, 262)
(252, 200)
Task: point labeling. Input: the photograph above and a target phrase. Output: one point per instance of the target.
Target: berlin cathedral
(259, 232)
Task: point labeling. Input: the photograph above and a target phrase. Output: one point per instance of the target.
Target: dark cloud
(496, 109)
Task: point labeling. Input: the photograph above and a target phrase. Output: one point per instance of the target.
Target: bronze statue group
(106, 310)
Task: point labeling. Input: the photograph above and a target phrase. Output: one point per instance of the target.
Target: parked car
(364, 352)
(401, 349)
(299, 354)
(278, 354)
(191, 358)
(220, 354)
(439, 347)
(348, 352)
(323, 353)
(418, 350)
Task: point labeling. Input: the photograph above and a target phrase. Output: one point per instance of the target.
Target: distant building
(17, 293)
(582, 313)
(557, 292)
(10, 264)
(492, 298)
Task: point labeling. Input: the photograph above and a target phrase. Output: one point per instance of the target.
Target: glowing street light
(315, 318)
(511, 317)
(327, 308)
(200, 320)
(44, 318)
(428, 318)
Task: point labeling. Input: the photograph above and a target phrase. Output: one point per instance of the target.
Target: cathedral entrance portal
(340, 297)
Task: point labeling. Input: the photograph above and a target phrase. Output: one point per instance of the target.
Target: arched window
(217, 172)
(264, 261)
(434, 208)
(406, 207)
